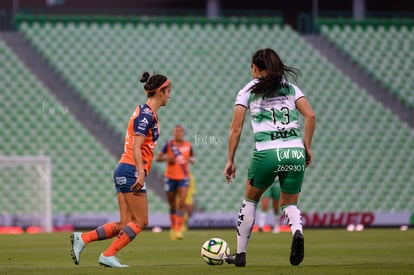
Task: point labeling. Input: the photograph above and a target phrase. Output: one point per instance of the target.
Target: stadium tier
(34, 123)
(362, 152)
(383, 47)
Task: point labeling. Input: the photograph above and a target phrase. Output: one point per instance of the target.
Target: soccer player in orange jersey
(129, 175)
(178, 153)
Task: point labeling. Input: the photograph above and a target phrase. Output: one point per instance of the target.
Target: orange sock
(103, 232)
(127, 234)
(173, 219)
(179, 220)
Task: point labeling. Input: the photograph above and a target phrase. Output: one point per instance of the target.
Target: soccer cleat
(179, 235)
(78, 245)
(297, 251)
(176, 235)
(110, 261)
(184, 227)
(276, 229)
(172, 234)
(238, 259)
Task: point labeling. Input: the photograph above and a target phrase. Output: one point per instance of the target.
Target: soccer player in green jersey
(282, 149)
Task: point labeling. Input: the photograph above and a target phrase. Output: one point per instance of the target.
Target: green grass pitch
(327, 251)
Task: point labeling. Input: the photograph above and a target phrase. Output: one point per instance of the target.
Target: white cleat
(110, 261)
(78, 245)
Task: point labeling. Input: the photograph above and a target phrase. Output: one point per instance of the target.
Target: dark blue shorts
(172, 185)
(125, 175)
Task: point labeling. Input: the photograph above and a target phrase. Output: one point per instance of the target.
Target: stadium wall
(221, 220)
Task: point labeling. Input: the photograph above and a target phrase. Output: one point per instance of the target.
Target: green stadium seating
(382, 47)
(33, 122)
(359, 146)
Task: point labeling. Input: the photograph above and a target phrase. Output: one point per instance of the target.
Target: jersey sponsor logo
(147, 111)
(120, 180)
(142, 124)
(144, 120)
(283, 134)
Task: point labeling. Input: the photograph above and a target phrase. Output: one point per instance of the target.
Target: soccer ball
(214, 250)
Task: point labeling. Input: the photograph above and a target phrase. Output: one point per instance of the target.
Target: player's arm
(160, 157)
(236, 128)
(305, 109)
(164, 156)
(137, 155)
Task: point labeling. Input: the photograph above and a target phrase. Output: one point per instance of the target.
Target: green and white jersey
(275, 119)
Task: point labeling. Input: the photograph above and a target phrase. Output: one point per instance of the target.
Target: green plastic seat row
(34, 123)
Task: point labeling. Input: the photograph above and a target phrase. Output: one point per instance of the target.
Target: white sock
(262, 219)
(277, 220)
(294, 219)
(245, 224)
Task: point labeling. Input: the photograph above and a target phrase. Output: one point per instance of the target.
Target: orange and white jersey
(182, 152)
(143, 122)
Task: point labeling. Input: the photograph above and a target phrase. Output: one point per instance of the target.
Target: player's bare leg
(138, 206)
(181, 194)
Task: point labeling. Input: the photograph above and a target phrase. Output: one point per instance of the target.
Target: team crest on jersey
(147, 110)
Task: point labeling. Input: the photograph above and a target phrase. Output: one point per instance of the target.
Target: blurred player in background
(281, 149)
(190, 201)
(178, 153)
(271, 195)
(129, 176)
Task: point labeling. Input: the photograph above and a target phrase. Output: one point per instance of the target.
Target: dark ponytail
(271, 84)
(144, 77)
